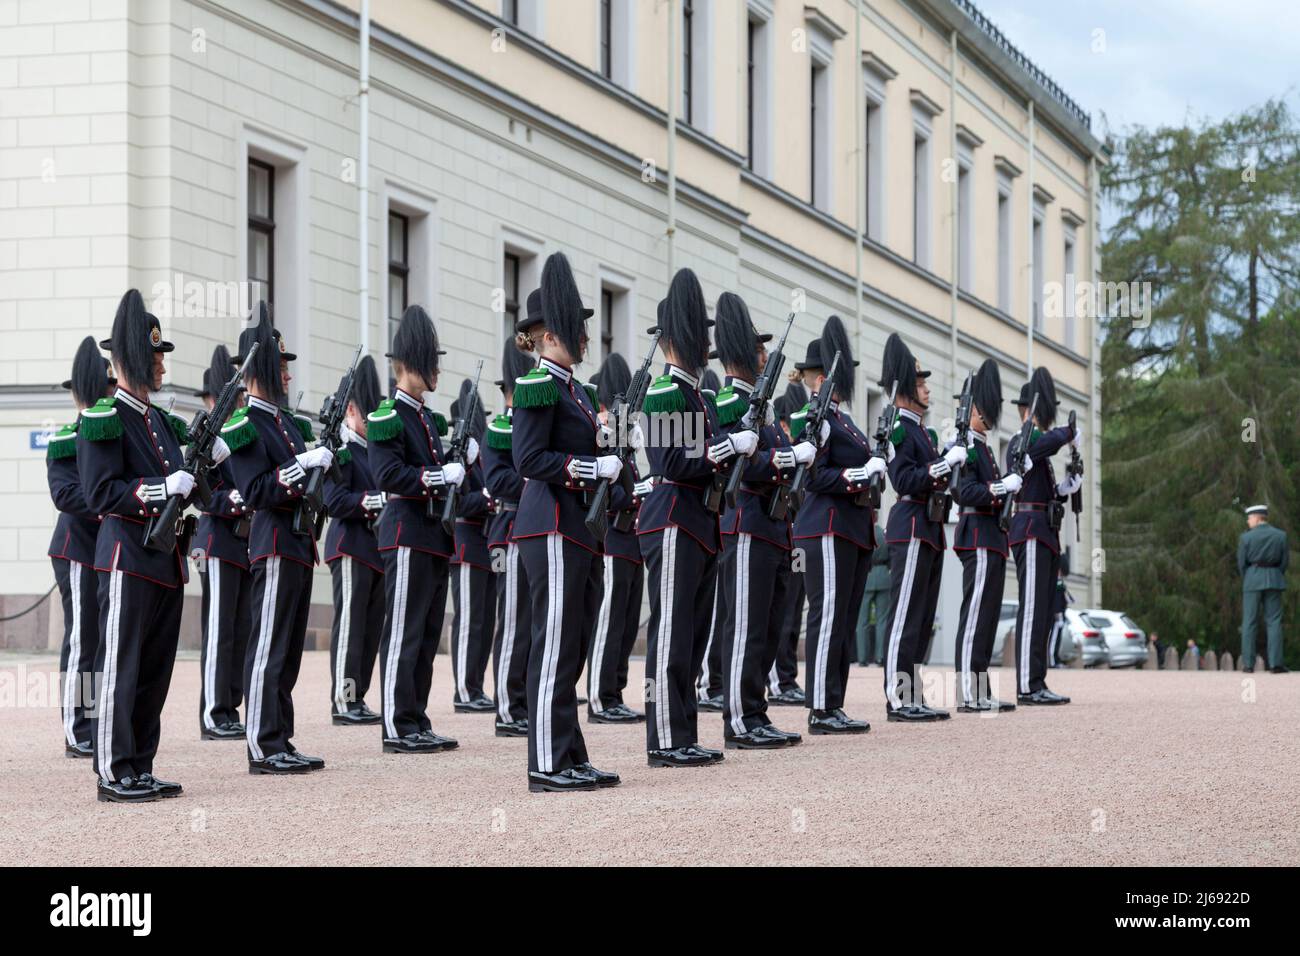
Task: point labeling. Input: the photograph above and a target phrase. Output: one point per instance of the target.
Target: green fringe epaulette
(664, 395)
(100, 421)
(934, 438)
(897, 433)
(498, 433)
(63, 444)
(180, 428)
(731, 406)
(343, 455)
(710, 399)
(304, 425)
(239, 430)
(972, 455)
(384, 424)
(536, 390)
(440, 424)
(1034, 435)
(798, 422)
(593, 394)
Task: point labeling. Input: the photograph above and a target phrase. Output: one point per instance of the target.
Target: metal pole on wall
(672, 133)
(953, 212)
(363, 185)
(1094, 394)
(1029, 316)
(860, 139)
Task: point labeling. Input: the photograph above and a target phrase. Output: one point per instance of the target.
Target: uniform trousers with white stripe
(415, 603)
(473, 620)
(616, 627)
(356, 631)
(281, 600)
(227, 622)
(78, 587)
(139, 627)
(514, 635)
(1037, 567)
(983, 576)
(753, 576)
(915, 569)
(835, 576)
(708, 682)
(564, 579)
(682, 575)
(784, 673)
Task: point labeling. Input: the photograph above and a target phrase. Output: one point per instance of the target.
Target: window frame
(265, 225)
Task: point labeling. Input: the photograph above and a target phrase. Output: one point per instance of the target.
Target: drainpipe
(860, 134)
(671, 233)
(1029, 312)
(363, 185)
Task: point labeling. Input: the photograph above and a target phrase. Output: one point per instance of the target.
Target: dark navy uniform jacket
(684, 469)
(1039, 488)
(829, 507)
(909, 473)
(772, 465)
(978, 525)
(397, 464)
(124, 480)
(215, 533)
(503, 480)
(472, 515)
(78, 525)
(268, 476)
(350, 532)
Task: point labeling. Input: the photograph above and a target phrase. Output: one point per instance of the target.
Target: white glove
(1029, 464)
(453, 474)
(856, 476)
(876, 466)
(236, 499)
(955, 455)
(636, 437)
(642, 489)
(769, 416)
(1070, 485)
(471, 451)
(826, 433)
(1077, 440)
(220, 451)
(745, 442)
(804, 453)
(315, 458)
(374, 501)
(1011, 484)
(608, 466)
(179, 483)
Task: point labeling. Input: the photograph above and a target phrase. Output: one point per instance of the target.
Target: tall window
(1004, 250)
(399, 270)
(965, 220)
(1069, 292)
(510, 11)
(749, 90)
(607, 39)
(261, 230)
(812, 134)
(511, 287)
(921, 201)
(688, 59)
(606, 323)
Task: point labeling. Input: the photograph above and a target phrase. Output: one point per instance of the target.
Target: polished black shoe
(223, 731)
(679, 757)
(617, 714)
(754, 740)
(791, 737)
(909, 714)
(711, 703)
(997, 705)
(165, 788)
(355, 717)
(562, 782)
(603, 778)
(834, 722)
(281, 763)
(974, 707)
(939, 712)
(794, 697)
(313, 763)
(1040, 698)
(479, 704)
(126, 790)
(512, 728)
(1056, 698)
(715, 755)
(1280, 669)
(410, 744)
(628, 713)
(441, 742)
(81, 748)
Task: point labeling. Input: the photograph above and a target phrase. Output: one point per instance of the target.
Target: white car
(1126, 643)
(1074, 640)
(1087, 635)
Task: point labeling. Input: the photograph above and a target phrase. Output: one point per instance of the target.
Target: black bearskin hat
(835, 338)
(736, 340)
(136, 336)
(217, 374)
(1041, 384)
(265, 370)
(90, 379)
(796, 397)
(899, 365)
(986, 392)
(477, 423)
(562, 308)
(685, 321)
(365, 386)
(613, 379)
(415, 344)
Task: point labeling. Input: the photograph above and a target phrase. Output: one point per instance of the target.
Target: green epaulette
(934, 438)
(972, 454)
(239, 430)
(731, 406)
(498, 432)
(343, 455)
(897, 433)
(798, 422)
(595, 396)
(63, 443)
(384, 424)
(179, 428)
(440, 424)
(1034, 435)
(304, 425)
(537, 389)
(100, 421)
(664, 395)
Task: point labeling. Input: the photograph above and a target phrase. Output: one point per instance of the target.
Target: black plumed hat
(366, 394)
(735, 338)
(515, 363)
(1042, 384)
(899, 365)
(136, 336)
(265, 369)
(90, 378)
(796, 396)
(613, 379)
(684, 321)
(220, 368)
(835, 338)
(562, 308)
(709, 381)
(986, 392)
(415, 344)
(478, 423)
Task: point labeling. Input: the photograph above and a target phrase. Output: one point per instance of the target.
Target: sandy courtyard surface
(1145, 767)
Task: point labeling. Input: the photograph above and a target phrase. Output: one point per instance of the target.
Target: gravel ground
(1144, 768)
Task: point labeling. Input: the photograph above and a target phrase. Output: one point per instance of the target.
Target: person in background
(1195, 653)
(1262, 558)
(871, 634)
(1158, 647)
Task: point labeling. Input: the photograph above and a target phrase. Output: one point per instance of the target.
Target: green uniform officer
(1262, 556)
(871, 636)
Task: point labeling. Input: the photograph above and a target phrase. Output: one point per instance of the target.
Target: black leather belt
(914, 499)
(1030, 506)
(508, 505)
(978, 511)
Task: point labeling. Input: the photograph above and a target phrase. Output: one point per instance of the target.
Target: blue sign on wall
(40, 440)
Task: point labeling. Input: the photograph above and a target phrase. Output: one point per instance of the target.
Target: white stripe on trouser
(702, 687)
(72, 677)
(667, 569)
(210, 645)
(265, 632)
(900, 617)
(602, 638)
(105, 703)
(463, 604)
(550, 651)
(396, 627)
(740, 633)
(345, 634)
(1024, 640)
(773, 677)
(972, 615)
(510, 609)
(1054, 641)
(825, 633)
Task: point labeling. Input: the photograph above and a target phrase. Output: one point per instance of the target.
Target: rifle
(963, 428)
(1019, 452)
(458, 451)
(310, 516)
(884, 425)
(759, 402)
(624, 413)
(161, 531)
(1075, 470)
(817, 411)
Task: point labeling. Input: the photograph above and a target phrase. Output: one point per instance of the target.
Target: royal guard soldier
(783, 688)
(404, 450)
(754, 571)
(129, 462)
(72, 552)
(1034, 537)
(557, 448)
(981, 546)
(354, 503)
(623, 581)
(220, 550)
(473, 585)
(503, 482)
